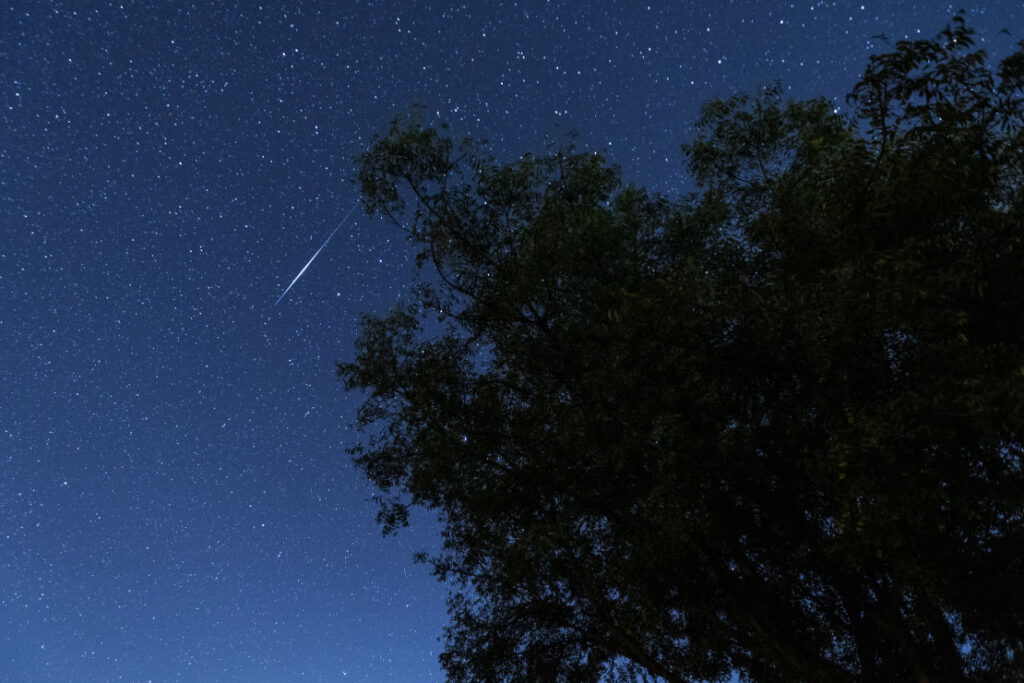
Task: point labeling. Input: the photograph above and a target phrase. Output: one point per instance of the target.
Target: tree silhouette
(771, 428)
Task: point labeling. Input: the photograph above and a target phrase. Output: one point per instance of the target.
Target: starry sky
(175, 499)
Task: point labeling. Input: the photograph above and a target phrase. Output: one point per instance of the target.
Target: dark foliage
(773, 428)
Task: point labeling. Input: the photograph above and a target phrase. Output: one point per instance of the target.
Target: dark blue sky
(175, 500)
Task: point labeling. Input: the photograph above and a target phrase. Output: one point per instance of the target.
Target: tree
(774, 427)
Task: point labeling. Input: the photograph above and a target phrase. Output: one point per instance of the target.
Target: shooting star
(313, 258)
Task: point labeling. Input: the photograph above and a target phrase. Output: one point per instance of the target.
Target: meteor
(313, 258)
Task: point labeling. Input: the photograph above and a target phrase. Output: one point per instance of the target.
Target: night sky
(175, 499)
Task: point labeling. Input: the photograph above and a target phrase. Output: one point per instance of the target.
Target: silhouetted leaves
(774, 427)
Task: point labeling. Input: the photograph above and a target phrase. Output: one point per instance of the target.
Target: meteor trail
(313, 258)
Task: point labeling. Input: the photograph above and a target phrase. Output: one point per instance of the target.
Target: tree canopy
(773, 427)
